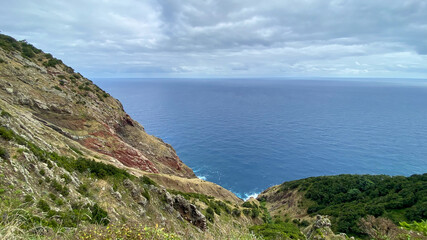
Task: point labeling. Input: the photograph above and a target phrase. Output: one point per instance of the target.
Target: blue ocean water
(249, 134)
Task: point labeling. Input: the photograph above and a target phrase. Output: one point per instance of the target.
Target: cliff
(61, 110)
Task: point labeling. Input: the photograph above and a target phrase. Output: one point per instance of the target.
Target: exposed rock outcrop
(321, 230)
(189, 212)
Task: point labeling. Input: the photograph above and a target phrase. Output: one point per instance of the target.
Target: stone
(9, 90)
(189, 212)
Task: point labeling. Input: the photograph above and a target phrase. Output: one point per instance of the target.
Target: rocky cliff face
(61, 110)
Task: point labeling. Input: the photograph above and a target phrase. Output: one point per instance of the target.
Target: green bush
(66, 177)
(9, 43)
(76, 150)
(4, 153)
(236, 212)
(43, 205)
(254, 213)
(99, 215)
(277, 230)
(146, 180)
(6, 133)
(5, 114)
(52, 62)
(83, 189)
(210, 216)
(146, 194)
(59, 188)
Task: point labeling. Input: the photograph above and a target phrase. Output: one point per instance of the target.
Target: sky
(234, 38)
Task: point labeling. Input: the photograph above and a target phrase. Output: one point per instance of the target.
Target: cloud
(227, 38)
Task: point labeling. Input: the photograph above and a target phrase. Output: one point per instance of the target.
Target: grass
(126, 231)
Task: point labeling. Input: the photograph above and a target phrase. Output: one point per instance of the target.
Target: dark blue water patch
(247, 135)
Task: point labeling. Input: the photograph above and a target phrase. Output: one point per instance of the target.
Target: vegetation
(126, 231)
(415, 226)
(148, 181)
(277, 230)
(348, 198)
(4, 153)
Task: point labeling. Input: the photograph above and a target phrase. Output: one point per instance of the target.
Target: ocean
(249, 134)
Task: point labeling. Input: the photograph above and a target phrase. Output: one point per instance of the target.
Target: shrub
(146, 194)
(146, 180)
(236, 212)
(210, 214)
(247, 205)
(254, 213)
(83, 189)
(66, 177)
(4, 153)
(6, 133)
(277, 230)
(28, 198)
(99, 215)
(52, 62)
(59, 188)
(43, 205)
(246, 212)
(8, 43)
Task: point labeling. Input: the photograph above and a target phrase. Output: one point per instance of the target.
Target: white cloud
(227, 38)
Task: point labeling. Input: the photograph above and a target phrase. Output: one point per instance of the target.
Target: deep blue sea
(249, 134)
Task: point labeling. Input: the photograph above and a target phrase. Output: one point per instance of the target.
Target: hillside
(72, 160)
(356, 204)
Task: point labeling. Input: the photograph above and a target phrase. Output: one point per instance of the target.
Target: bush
(99, 215)
(247, 205)
(4, 153)
(66, 177)
(43, 205)
(146, 180)
(83, 189)
(277, 230)
(5, 114)
(236, 212)
(52, 62)
(59, 188)
(6, 133)
(8, 43)
(254, 213)
(210, 216)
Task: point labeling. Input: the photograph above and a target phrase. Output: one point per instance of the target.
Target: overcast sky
(196, 38)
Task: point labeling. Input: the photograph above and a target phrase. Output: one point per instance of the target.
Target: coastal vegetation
(349, 198)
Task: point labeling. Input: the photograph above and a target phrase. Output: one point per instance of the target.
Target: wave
(246, 196)
(201, 177)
